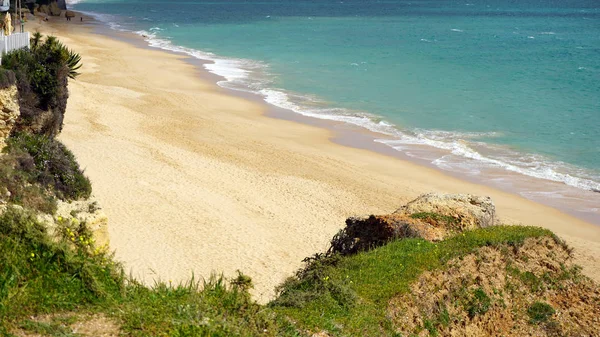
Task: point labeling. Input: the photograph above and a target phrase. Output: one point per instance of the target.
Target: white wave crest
(526, 164)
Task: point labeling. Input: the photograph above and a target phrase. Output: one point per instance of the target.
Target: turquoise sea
(488, 85)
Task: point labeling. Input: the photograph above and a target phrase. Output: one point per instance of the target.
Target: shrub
(7, 78)
(54, 165)
(18, 187)
(314, 281)
(478, 304)
(42, 76)
(540, 312)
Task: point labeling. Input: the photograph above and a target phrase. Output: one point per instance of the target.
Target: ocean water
(492, 85)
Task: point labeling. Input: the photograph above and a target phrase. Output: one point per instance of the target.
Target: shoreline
(385, 182)
(573, 201)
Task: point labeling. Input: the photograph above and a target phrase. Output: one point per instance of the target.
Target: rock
(62, 4)
(54, 9)
(471, 211)
(80, 211)
(44, 9)
(9, 112)
(69, 14)
(433, 217)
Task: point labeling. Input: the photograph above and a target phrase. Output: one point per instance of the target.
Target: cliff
(440, 266)
(9, 112)
(62, 4)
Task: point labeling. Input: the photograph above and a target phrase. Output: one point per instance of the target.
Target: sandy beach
(196, 180)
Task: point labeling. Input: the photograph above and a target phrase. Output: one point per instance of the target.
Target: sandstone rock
(9, 112)
(433, 217)
(44, 9)
(54, 9)
(80, 211)
(471, 211)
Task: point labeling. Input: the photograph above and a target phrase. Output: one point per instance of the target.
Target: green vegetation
(7, 78)
(349, 295)
(540, 312)
(45, 274)
(35, 170)
(42, 275)
(478, 304)
(42, 77)
(18, 187)
(53, 166)
(64, 273)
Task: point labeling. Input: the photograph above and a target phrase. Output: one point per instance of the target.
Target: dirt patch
(69, 324)
(531, 290)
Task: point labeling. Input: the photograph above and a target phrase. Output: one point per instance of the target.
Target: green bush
(7, 78)
(17, 186)
(540, 312)
(53, 165)
(313, 282)
(42, 77)
(478, 304)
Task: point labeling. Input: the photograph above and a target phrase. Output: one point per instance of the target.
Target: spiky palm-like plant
(55, 48)
(73, 63)
(36, 40)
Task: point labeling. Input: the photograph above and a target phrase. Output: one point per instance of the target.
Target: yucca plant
(73, 63)
(36, 40)
(54, 48)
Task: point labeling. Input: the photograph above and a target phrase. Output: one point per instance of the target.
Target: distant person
(81, 19)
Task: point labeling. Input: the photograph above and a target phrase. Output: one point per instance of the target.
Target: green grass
(43, 275)
(372, 278)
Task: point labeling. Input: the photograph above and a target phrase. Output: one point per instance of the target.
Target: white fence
(13, 42)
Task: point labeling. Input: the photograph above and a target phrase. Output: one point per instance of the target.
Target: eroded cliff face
(9, 112)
